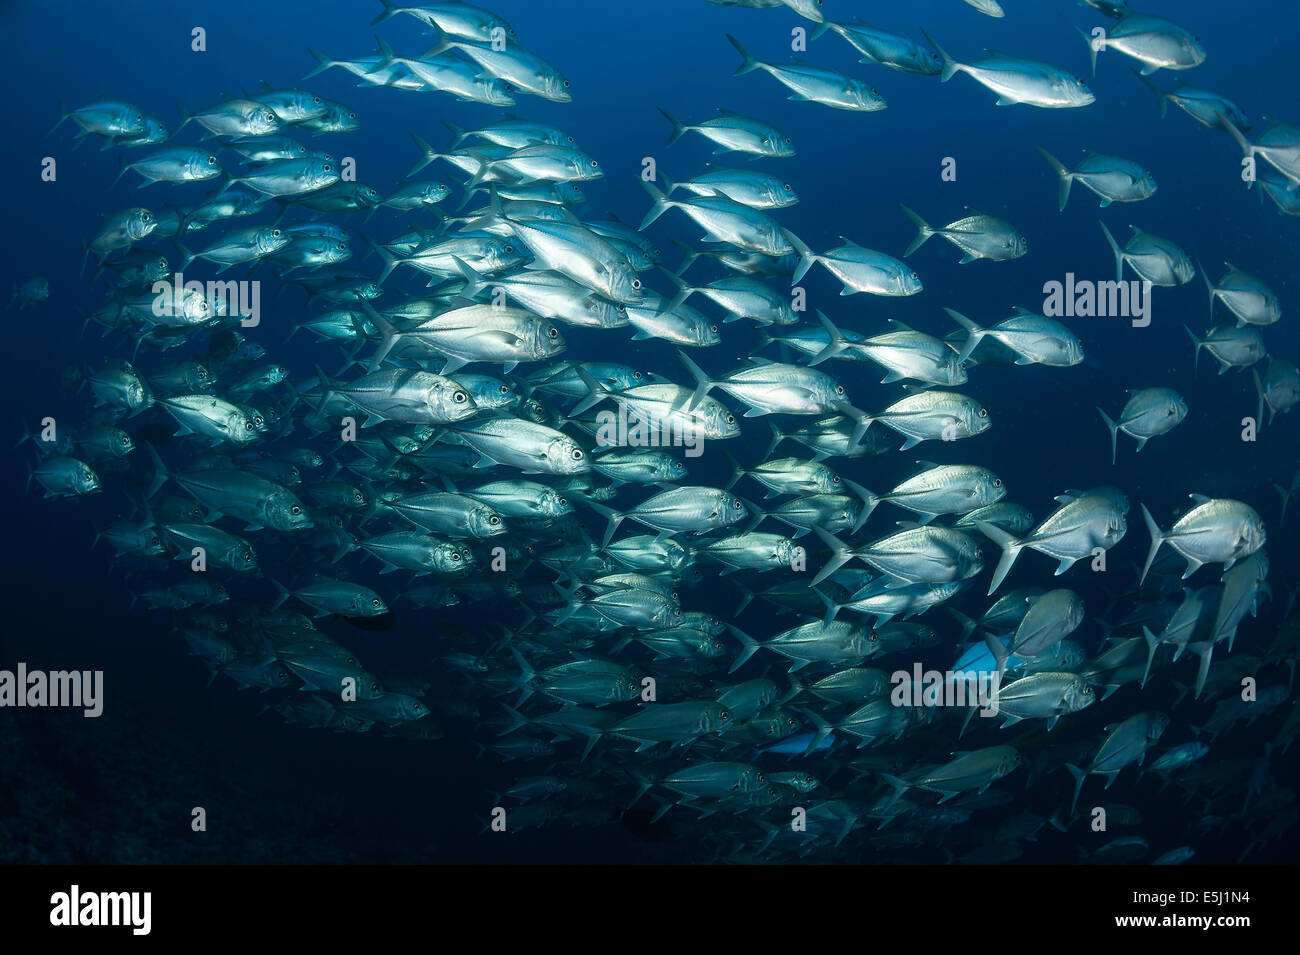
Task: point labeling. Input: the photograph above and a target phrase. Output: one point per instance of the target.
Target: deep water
(120, 788)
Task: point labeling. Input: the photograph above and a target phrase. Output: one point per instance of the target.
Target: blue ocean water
(121, 788)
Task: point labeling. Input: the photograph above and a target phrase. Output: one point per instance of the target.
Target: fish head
(624, 286)
(866, 98)
(1075, 91)
(284, 512)
(493, 92)
(778, 146)
(244, 560)
(554, 87)
(1078, 695)
(977, 420)
(139, 223)
(262, 121)
(321, 173)
(84, 479)
(450, 402)
(780, 195)
(1251, 537)
(564, 456)
(546, 340)
(1157, 723)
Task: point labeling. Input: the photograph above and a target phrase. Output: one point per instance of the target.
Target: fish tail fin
(1259, 407)
(596, 392)
(63, 114)
(749, 646)
(869, 502)
(703, 384)
(1157, 538)
(160, 474)
(386, 329)
(1197, 344)
(748, 62)
(1011, 549)
(1114, 434)
(820, 726)
(900, 786)
(835, 344)
(737, 472)
(661, 204)
(1063, 172)
(1079, 776)
(1152, 642)
(950, 66)
(612, 516)
(1206, 652)
(841, 554)
(430, 154)
(474, 283)
(1119, 256)
(776, 439)
(1209, 289)
(684, 291)
(1000, 652)
(323, 63)
(281, 593)
(517, 720)
(1160, 94)
(861, 418)
(390, 8)
(974, 334)
(923, 230)
(678, 128)
(806, 256)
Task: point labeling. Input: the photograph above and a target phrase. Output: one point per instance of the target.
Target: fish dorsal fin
(900, 326)
(1200, 498)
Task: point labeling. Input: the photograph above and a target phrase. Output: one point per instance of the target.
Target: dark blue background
(280, 793)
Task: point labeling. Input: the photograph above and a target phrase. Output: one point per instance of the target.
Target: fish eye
(731, 419)
(248, 556)
(594, 164)
(563, 502)
(459, 397)
(636, 284)
(983, 413)
(787, 188)
(275, 233)
(295, 509)
(551, 332)
(835, 479)
(787, 139)
(509, 249)
(327, 168)
(455, 555)
(997, 482)
(576, 454)
(494, 520)
(376, 602)
(713, 328)
(839, 389)
(356, 496)
(566, 84)
(636, 376)
(212, 160)
(505, 389)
